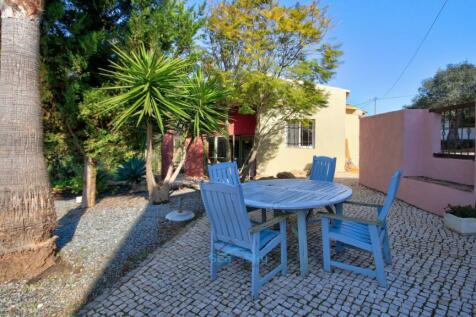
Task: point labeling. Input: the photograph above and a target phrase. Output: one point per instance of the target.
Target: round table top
(292, 194)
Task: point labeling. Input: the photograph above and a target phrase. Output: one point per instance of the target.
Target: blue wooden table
(298, 196)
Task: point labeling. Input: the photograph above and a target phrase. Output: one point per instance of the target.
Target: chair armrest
(352, 219)
(363, 204)
(267, 224)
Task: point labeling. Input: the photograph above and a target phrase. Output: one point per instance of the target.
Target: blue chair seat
(358, 231)
(265, 237)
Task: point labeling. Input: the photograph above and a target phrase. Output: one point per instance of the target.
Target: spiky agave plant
(131, 171)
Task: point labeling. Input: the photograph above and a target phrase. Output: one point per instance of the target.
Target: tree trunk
(206, 160)
(164, 191)
(27, 216)
(152, 188)
(89, 182)
(249, 164)
(250, 170)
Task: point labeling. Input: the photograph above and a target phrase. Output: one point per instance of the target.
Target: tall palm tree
(27, 216)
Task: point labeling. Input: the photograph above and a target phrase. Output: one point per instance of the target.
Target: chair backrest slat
(323, 168)
(226, 173)
(226, 210)
(391, 194)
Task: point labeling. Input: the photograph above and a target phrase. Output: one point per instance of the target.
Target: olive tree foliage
(270, 56)
(456, 84)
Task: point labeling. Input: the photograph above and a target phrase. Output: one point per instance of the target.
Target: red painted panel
(194, 162)
(242, 124)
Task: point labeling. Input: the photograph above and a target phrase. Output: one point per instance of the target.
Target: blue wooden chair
(233, 234)
(368, 235)
(226, 173)
(323, 168)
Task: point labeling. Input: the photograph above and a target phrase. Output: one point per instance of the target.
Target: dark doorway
(240, 144)
(242, 148)
(217, 148)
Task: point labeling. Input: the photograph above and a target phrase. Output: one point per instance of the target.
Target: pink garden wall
(406, 140)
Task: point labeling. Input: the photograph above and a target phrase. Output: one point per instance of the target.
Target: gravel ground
(96, 248)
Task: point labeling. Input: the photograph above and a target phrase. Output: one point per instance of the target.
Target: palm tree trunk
(89, 182)
(27, 216)
(152, 188)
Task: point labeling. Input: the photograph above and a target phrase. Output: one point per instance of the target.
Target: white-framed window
(301, 133)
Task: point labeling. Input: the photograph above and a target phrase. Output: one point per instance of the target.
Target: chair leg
(213, 263)
(255, 280)
(387, 253)
(378, 256)
(284, 249)
(337, 223)
(263, 215)
(326, 245)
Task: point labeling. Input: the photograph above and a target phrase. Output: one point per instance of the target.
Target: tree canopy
(77, 40)
(167, 25)
(456, 84)
(265, 36)
(271, 56)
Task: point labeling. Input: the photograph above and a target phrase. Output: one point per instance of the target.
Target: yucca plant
(149, 88)
(206, 116)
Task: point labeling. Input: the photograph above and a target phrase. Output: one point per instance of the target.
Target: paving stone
(432, 274)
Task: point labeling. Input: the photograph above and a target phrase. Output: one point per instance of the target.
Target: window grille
(457, 131)
(300, 133)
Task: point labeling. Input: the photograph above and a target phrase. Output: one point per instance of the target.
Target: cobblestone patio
(433, 274)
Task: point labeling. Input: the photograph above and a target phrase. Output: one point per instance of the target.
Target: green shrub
(73, 185)
(131, 171)
(102, 181)
(462, 211)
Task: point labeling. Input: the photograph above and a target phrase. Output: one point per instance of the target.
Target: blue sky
(378, 38)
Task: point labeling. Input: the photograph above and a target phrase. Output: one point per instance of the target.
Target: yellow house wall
(329, 140)
(352, 127)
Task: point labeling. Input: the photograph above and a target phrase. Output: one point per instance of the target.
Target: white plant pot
(465, 226)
